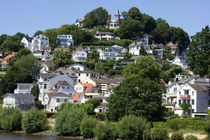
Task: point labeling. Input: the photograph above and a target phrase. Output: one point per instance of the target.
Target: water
(11, 136)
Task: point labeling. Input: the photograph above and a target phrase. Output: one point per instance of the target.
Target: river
(12, 136)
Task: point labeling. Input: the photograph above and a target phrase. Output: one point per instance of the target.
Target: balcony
(185, 96)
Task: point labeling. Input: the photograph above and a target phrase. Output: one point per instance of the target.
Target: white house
(38, 42)
(107, 55)
(105, 36)
(197, 95)
(181, 61)
(83, 76)
(78, 67)
(135, 47)
(53, 101)
(114, 24)
(23, 101)
(117, 49)
(47, 81)
(65, 40)
(26, 41)
(79, 55)
(24, 88)
(84, 92)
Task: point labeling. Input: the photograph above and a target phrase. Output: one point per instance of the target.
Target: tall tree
(198, 53)
(134, 13)
(62, 58)
(142, 51)
(39, 32)
(52, 35)
(96, 17)
(11, 43)
(148, 23)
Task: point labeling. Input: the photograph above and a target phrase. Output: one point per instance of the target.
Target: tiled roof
(80, 20)
(8, 57)
(88, 87)
(79, 48)
(19, 95)
(76, 96)
(46, 75)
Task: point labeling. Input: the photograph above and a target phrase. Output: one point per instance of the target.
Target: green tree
(88, 108)
(35, 91)
(185, 107)
(96, 17)
(207, 128)
(34, 121)
(135, 14)
(156, 134)
(62, 58)
(95, 102)
(80, 35)
(198, 53)
(10, 119)
(2, 38)
(68, 121)
(191, 137)
(39, 32)
(87, 126)
(142, 51)
(52, 35)
(11, 43)
(177, 136)
(132, 127)
(124, 14)
(149, 23)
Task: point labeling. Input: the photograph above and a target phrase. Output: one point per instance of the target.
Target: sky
(28, 16)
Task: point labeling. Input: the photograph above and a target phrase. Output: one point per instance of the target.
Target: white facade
(65, 40)
(105, 55)
(79, 55)
(180, 62)
(197, 95)
(38, 42)
(24, 88)
(78, 67)
(26, 42)
(135, 47)
(105, 36)
(117, 49)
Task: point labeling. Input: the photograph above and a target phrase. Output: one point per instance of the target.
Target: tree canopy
(198, 53)
(96, 17)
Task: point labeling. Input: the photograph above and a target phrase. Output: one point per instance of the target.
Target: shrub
(68, 121)
(174, 124)
(159, 134)
(191, 138)
(105, 131)
(34, 121)
(10, 119)
(95, 102)
(207, 128)
(51, 114)
(132, 127)
(87, 126)
(159, 125)
(101, 116)
(88, 108)
(177, 136)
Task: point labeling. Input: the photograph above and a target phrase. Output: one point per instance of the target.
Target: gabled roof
(59, 84)
(8, 57)
(46, 75)
(79, 48)
(19, 95)
(80, 20)
(200, 88)
(88, 87)
(60, 94)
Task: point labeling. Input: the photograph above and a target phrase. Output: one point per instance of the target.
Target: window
(186, 92)
(79, 80)
(68, 87)
(209, 102)
(65, 100)
(180, 101)
(45, 86)
(192, 110)
(188, 101)
(175, 89)
(63, 87)
(87, 75)
(79, 74)
(57, 100)
(192, 101)
(192, 93)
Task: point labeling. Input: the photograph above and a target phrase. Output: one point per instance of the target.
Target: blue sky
(28, 16)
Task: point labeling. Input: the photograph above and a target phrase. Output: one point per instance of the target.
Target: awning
(91, 94)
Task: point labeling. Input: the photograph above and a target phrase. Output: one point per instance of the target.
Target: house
(1, 56)
(84, 92)
(108, 55)
(26, 41)
(46, 66)
(105, 36)
(78, 67)
(86, 75)
(24, 88)
(79, 55)
(135, 47)
(23, 101)
(159, 53)
(5, 60)
(117, 49)
(47, 81)
(47, 49)
(65, 40)
(196, 95)
(79, 22)
(53, 101)
(180, 61)
(174, 48)
(103, 106)
(114, 24)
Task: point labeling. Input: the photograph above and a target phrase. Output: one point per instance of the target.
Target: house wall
(53, 106)
(9, 101)
(79, 56)
(68, 90)
(202, 101)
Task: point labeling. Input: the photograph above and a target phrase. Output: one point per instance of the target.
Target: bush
(51, 114)
(101, 116)
(159, 134)
(159, 125)
(191, 138)
(68, 121)
(177, 136)
(34, 121)
(105, 131)
(174, 124)
(10, 119)
(132, 127)
(87, 126)
(207, 128)
(95, 102)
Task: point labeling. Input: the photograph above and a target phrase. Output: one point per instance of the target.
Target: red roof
(79, 48)
(80, 20)
(88, 87)
(163, 82)
(8, 57)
